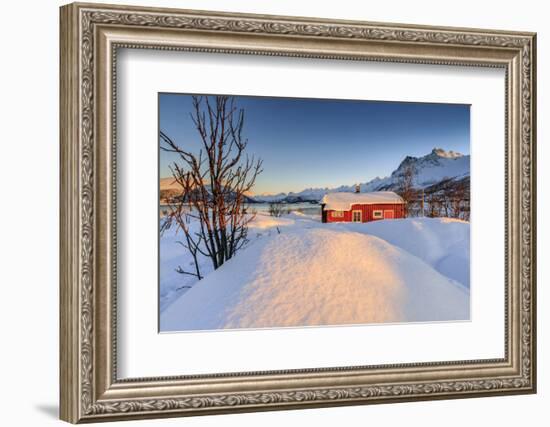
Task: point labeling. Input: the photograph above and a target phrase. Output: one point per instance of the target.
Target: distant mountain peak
(429, 169)
(440, 152)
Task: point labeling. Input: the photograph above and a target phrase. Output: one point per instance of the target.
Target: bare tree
(433, 201)
(449, 198)
(276, 209)
(458, 196)
(405, 187)
(211, 211)
(169, 195)
(445, 196)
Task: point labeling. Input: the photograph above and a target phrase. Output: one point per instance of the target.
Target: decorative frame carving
(90, 36)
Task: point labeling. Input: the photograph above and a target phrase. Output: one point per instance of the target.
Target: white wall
(29, 228)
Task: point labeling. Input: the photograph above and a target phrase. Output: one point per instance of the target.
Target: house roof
(343, 201)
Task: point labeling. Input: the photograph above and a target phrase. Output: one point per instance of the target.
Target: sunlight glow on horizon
(317, 143)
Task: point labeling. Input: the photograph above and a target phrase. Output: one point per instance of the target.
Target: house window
(356, 216)
(338, 214)
(377, 214)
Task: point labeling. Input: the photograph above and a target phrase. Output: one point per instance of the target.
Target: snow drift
(443, 243)
(318, 274)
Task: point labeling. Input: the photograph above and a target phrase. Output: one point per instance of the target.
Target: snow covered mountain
(434, 167)
(429, 170)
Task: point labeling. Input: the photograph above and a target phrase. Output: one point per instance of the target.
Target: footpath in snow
(297, 271)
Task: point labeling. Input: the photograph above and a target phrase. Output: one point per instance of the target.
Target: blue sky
(326, 143)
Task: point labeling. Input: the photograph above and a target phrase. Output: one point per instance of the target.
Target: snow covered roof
(342, 201)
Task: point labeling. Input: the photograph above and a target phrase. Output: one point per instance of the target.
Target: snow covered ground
(297, 271)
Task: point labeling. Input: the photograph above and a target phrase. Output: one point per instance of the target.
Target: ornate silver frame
(90, 36)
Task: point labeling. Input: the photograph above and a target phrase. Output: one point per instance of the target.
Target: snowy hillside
(297, 271)
(434, 167)
(430, 169)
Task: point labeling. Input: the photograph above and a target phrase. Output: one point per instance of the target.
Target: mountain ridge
(429, 170)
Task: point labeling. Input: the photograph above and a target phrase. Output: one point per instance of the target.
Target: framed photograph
(266, 212)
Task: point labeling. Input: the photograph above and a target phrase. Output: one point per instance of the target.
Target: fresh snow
(435, 167)
(443, 243)
(174, 255)
(297, 271)
(343, 201)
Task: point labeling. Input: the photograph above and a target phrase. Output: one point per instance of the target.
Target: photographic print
(295, 212)
(291, 183)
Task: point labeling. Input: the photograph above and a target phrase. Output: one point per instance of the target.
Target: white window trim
(337, 214)
(360, 215)
(378, 214)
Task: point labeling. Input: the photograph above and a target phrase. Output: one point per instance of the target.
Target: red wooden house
(361, 207)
